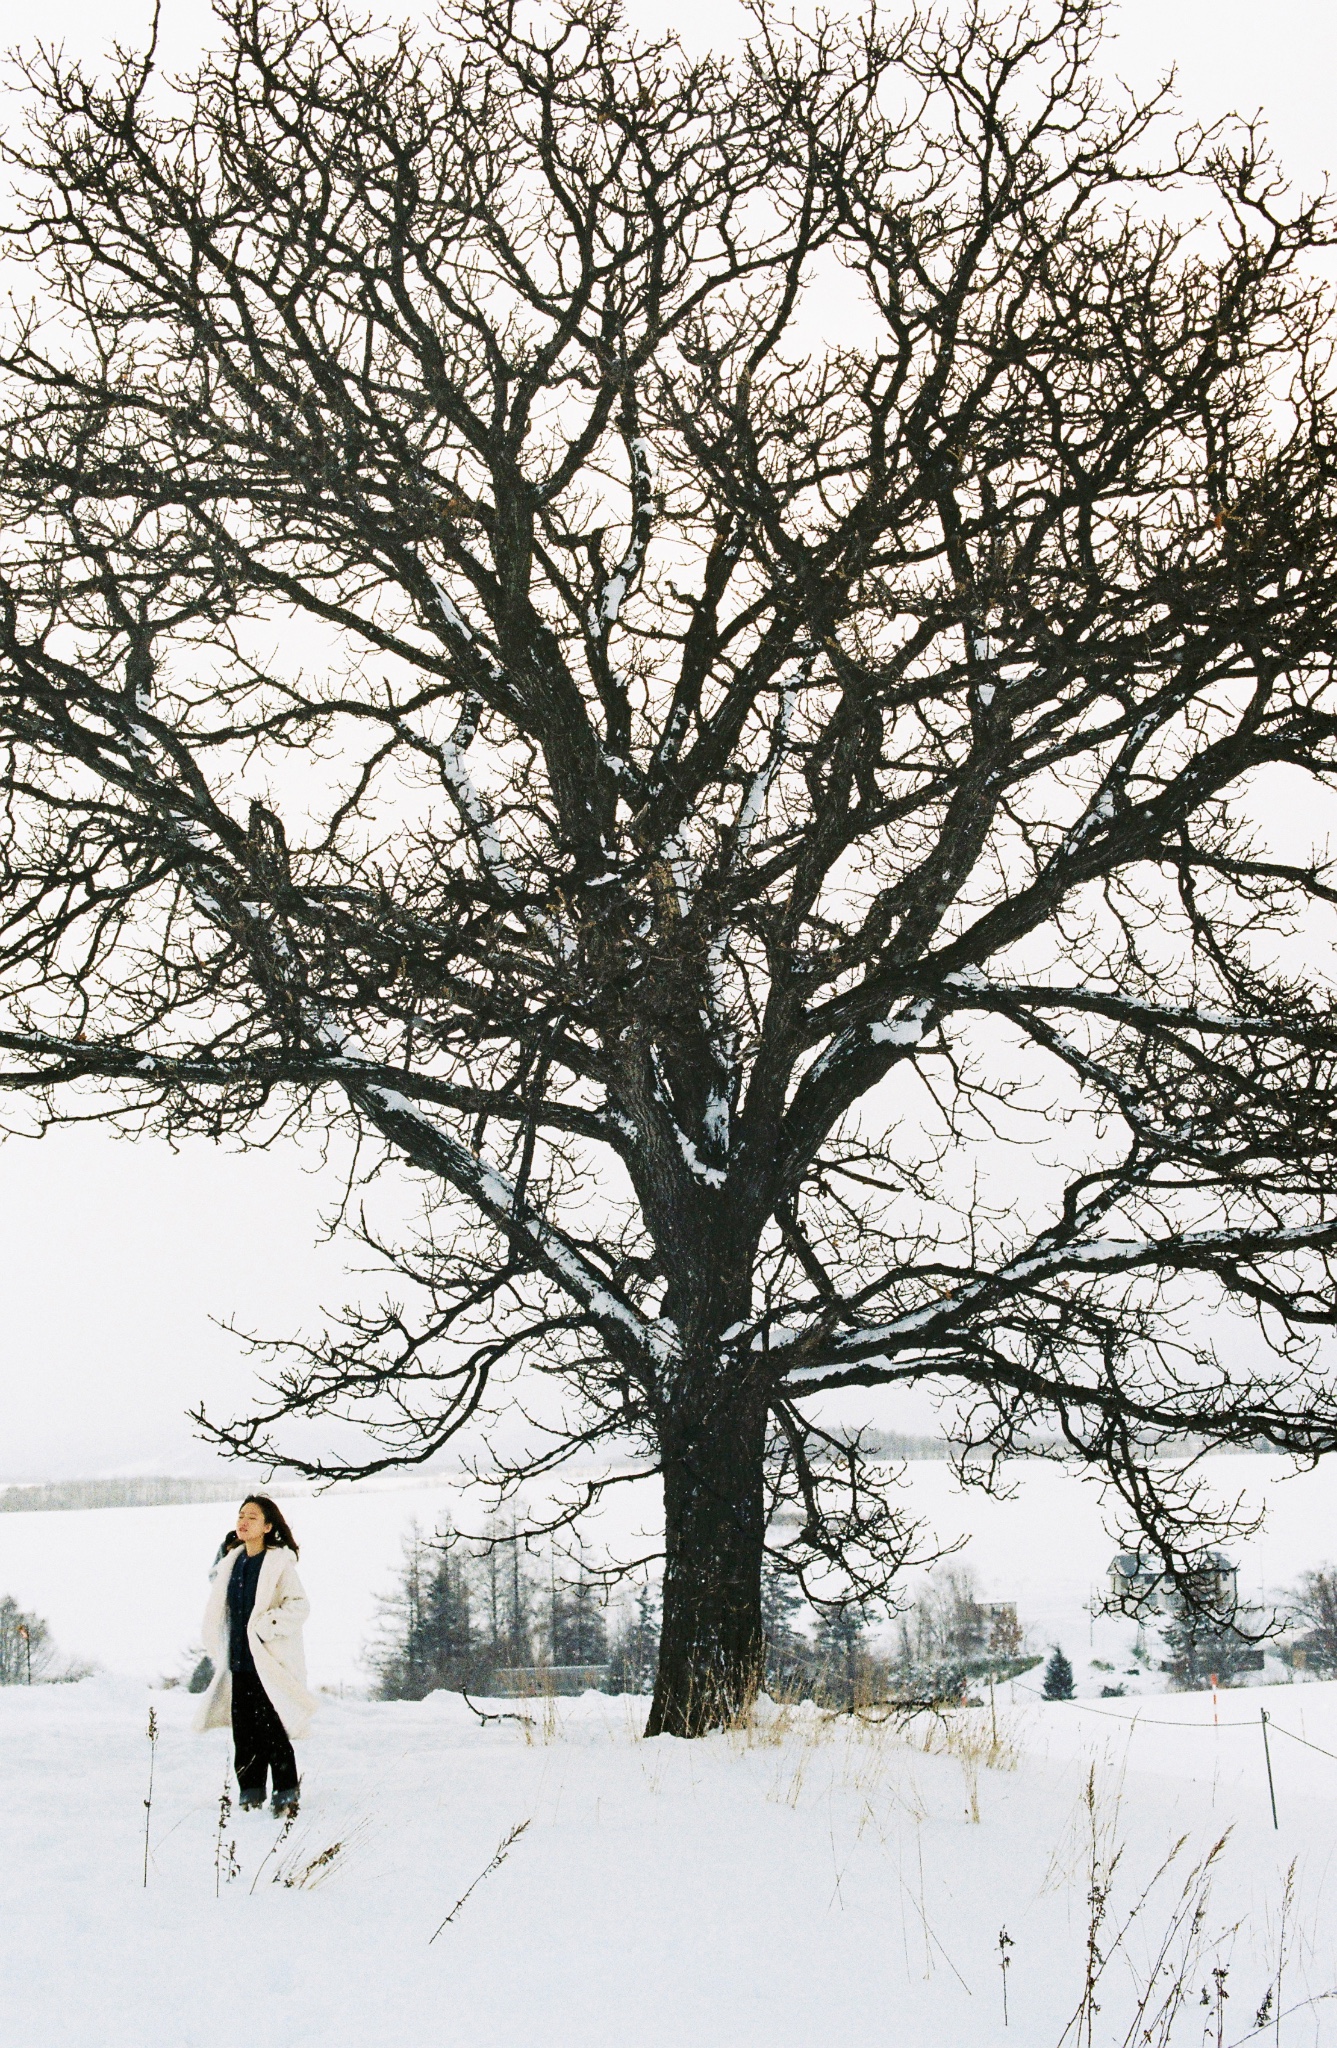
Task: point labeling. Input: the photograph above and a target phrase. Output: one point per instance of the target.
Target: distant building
(1136, 1587)
(534, 1681)
(1005, 1631)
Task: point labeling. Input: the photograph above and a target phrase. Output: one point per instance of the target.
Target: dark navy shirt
(240, 1600)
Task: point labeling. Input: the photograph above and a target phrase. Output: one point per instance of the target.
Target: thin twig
(148, 1803)
(277, 1843)
(503, 1850)
(1303, 2005)
(527, 1719)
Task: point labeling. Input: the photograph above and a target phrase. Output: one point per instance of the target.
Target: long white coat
(275, 1635)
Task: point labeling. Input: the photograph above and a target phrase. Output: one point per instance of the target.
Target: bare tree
(25, 1644)
(697, 650)
(1313, 1615)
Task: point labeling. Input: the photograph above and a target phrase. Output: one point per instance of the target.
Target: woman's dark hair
(280, 1536)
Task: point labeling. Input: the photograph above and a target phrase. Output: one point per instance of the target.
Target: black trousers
(260, 1739)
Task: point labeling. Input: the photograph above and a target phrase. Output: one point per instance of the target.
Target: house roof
(1130, 1566)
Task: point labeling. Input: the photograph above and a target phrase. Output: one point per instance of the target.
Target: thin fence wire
(1303, 1740)
(1142, 1720)
(1184, 1727)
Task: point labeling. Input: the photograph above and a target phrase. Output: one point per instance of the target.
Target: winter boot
(284, 1806)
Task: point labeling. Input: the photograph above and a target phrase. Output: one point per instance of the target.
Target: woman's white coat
(275, 1635)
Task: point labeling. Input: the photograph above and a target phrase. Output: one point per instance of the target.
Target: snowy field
(805, 1880)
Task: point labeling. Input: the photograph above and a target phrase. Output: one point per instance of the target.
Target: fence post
(1271, 1788)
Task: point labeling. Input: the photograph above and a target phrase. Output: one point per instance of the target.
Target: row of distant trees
(471, 1617)
(484, 1617)
(460, 1615)
(65, 1496)
(479, 1617)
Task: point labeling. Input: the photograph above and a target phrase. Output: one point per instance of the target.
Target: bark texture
(711, 1649)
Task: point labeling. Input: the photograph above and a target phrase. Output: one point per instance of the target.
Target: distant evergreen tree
(579, 1623)
(841, 1658)
(1058, 1680)
(517, 1605)
(491, 1622)
(634, 1655)
(789, 1655)
(427, 1639)
(505, 1638)
(1200, 1645)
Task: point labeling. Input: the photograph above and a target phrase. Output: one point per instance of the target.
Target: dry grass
(301, 1869)
(864, 1745)
(868, 1739)
(226, 1866)
(502, 1851)
(1175, 1944)
(1152, 1967)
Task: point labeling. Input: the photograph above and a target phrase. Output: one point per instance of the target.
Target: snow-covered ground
(808, 1882)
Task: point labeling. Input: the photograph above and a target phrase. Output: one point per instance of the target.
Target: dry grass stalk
(226, 1866)
(148, 1803)
(1166, 1982)
(502, 1852)
(279, 1842)
(294, 1874)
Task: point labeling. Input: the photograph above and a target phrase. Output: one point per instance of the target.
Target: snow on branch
(954, 1317)
(1125, 1009)
(497, 1196)
(604, 612)
(754, 799)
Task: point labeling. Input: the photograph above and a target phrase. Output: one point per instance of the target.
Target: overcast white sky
(113, 1256)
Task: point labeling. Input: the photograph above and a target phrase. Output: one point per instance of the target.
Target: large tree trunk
(711, 1651)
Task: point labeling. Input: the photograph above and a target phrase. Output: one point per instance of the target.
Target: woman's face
(251, 1524)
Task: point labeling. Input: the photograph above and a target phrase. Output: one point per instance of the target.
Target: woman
(253, 1631)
